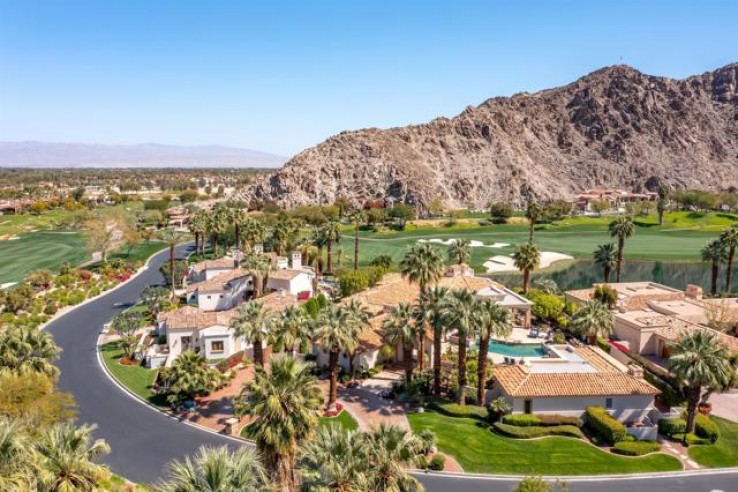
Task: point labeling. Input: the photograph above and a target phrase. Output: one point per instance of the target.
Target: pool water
(517, 350)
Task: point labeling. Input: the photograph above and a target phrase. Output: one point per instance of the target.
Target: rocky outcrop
(615, 127)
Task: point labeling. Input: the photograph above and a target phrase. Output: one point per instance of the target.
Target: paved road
(143, 441)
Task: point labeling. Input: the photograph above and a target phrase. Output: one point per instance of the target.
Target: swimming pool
(517, 350)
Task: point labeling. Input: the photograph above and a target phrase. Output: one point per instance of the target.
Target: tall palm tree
(218, 221)
(593, 320)
(291, 327)
(401, 328)
(533, 213)
(392, 450)
(715, 253)
(331, 232)
(198, 228)
(699, 360)
(621, 228)
(282, 234)
(335, 460)
(239, 217)
(359, 320)
(335, 331)
(459, 251)
(259, 266)
(492, 320)
(433, 306)
(217, 470)
(25, 349)
(662, 202)
(317, 239)
(252, 232)
(461, 317)
(17, 461)
(251, 323)
(606, 257)
(422, 265)
(526, 259)
(284, 403)
(68, 458)
(172, 238)
(357, 217)
(729, 239)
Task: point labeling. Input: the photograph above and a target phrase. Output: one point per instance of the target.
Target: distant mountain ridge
(615, 127)
(76, 155)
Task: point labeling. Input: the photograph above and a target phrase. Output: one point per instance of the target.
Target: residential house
(223, 291)
(295, 280)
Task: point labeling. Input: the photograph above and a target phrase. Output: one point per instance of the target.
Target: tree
(662, 202)
(600, 206)
(40, 279)
(239, 217)
(124, 325)
(622, 228)
(189, 375)
(33, 400)
(198, 226)
(537, 484)
(253, 232)
(291, 327)
(381, 261)
(336, 460)
(422, 265)
(500, 211)
(331, 233)
(17, 461)
(606, 295)
(102, 231)
(729, 239)
(459, 252)
(358, 218)
(433, 311)
(492, 320)
(24, 350)
(172, 238)
(460, 316)
(392, 450)
(68, 458)
(252, 323)
(526, 259)
(715, 253)
(259, 266)
(533, 213)
(218, 221)
(335, 331)
(217, 470)
(402, 329)
(284, 403)
(359, 319)
(152, 297)
(401, 213)
(593, 320)
(699, 360)
(606, 257)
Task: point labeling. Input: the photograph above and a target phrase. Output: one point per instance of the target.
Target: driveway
(725, 405)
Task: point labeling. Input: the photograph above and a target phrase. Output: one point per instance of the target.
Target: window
(209, 297)
(217, 347)
(608, 403)
(528, 406)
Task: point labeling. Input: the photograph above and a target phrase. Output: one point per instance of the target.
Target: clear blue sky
(281, 76)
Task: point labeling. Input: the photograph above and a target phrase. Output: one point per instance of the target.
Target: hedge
(636, 448)
(459, 411)
(543, 420)
(603, 425)
(705, 428)
(553, 419)
(671, 426)
(521, 420)
(530, 432)
(437, 462)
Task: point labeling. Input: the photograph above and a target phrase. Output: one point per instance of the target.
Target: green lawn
(724, 453)
(344, 420)
(479, 450)
(42, 249)
(137, 379)
(140, 252)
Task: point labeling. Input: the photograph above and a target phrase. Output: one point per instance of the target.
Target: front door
(528, 406)
(186, 343)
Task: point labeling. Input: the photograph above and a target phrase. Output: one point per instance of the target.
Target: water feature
(517, 349)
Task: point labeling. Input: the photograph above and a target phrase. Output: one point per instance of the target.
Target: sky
(281, 76)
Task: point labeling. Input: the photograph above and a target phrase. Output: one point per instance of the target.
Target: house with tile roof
(221, 292)
(296, 280)
(569, 379)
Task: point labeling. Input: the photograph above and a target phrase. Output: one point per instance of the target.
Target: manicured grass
(479, 450)
(42, 249)
(724, 453)
(137, 379)
(140, 252)
(344, 420)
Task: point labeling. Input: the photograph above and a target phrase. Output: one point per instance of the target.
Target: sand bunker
(502, 263)
(473, 243)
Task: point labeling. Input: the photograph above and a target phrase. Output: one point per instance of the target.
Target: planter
(705, 409)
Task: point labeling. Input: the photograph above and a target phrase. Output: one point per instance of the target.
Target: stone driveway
(725, 405)
(367, 406)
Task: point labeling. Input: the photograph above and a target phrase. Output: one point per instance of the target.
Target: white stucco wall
(624, 408)
(301, 283)
(220, 300)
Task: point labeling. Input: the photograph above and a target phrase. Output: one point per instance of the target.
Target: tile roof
(217, 283)
(285, 274)
(191, 318)
(220, 263)
(671, 329)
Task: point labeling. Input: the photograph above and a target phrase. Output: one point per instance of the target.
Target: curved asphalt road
(143, 441)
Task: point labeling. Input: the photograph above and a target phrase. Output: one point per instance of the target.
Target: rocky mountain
(615, 127)
(52, 154)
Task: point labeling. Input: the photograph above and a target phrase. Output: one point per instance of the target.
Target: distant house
(615, 197)
(295, 280)
(206, 270)
(223, 291)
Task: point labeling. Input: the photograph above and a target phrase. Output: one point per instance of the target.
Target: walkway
(679, 451)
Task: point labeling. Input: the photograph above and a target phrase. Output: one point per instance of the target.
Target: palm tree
(461, 317)
(172, 238)
(526, 259)
(25, 349)
(699, 360)
(284, 403)
(460, 251)
(592, 320)
(357, 217)
(190, 374)
(282, 234)
(68, 458)
(492, 320)
(218, 221)
(392, 450)
(422, 265)
(606, 257)
(198, 227)
(252, 232)
(291, 327)
(16, 459)
(433, 305)
(217, 470)
(401, 328)
(335, 460)
(533, 213)
(336, 331)
(251, 323)
(360, 320)
(715, 253)
(259, 266)
(622, 228)
(729, 239)
(662, 202)
(239, 217)
(331, 232)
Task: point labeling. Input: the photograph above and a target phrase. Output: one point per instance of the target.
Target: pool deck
(518, 335)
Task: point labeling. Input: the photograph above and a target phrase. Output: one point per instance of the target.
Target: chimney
(259, 248)
(635, 370)
(694, 291)
(296, 261)
(237, 259)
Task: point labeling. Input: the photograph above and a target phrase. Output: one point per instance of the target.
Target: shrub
(459, 411)
(521, 420)
(437, 462)
(636, 448)
(552, 419)
(605, 426)
(603, 345)
(705, 428)
(352, 282)
(531, 432)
